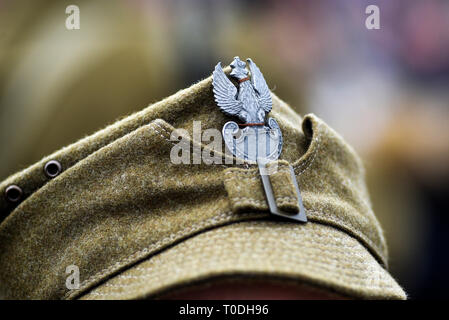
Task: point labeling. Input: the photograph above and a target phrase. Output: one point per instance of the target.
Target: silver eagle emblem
(260, 140)
(255, 137)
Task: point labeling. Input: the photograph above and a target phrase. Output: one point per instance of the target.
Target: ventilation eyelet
(52, 168)
(13, 193)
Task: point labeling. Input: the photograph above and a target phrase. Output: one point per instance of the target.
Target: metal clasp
(299, 216)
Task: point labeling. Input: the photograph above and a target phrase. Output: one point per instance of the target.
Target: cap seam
(221, 218)
(143, 253)
(348, 229)
(379, 285)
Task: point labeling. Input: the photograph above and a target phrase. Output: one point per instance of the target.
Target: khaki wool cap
(137, 225)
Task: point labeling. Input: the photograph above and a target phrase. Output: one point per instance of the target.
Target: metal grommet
(13, 193)
(52, 168)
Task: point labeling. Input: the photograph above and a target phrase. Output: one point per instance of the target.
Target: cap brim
(312, 253)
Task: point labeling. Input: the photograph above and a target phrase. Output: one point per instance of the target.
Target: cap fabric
(138, 225)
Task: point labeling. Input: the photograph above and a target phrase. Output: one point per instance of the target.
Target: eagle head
(238, 69)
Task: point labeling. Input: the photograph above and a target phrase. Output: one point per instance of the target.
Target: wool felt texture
(120, 201)
(313, 254)
(245, 190)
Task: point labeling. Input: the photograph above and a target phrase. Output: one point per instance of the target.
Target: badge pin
(256, 138)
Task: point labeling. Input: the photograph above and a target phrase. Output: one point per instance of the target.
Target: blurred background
(386, 91)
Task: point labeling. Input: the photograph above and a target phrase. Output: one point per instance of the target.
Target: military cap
(137, 225)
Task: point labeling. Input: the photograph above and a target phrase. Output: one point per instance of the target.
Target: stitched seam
(359, 266)
(307, 164)
(287, 199)
(322, 239)
(283, 170)
(310, 263)
(222, 217)
(242, 178)
(196, 227)
(288, 204)
(246, 198)
(253, 202)
(335, 218)
(349, 227)
(326, 217)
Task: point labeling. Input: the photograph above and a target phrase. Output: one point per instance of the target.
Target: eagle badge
(255, 138)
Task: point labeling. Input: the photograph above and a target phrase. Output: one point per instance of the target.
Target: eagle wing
(261, 87)
(225, 92)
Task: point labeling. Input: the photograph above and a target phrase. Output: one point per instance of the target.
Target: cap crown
(120, 199)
